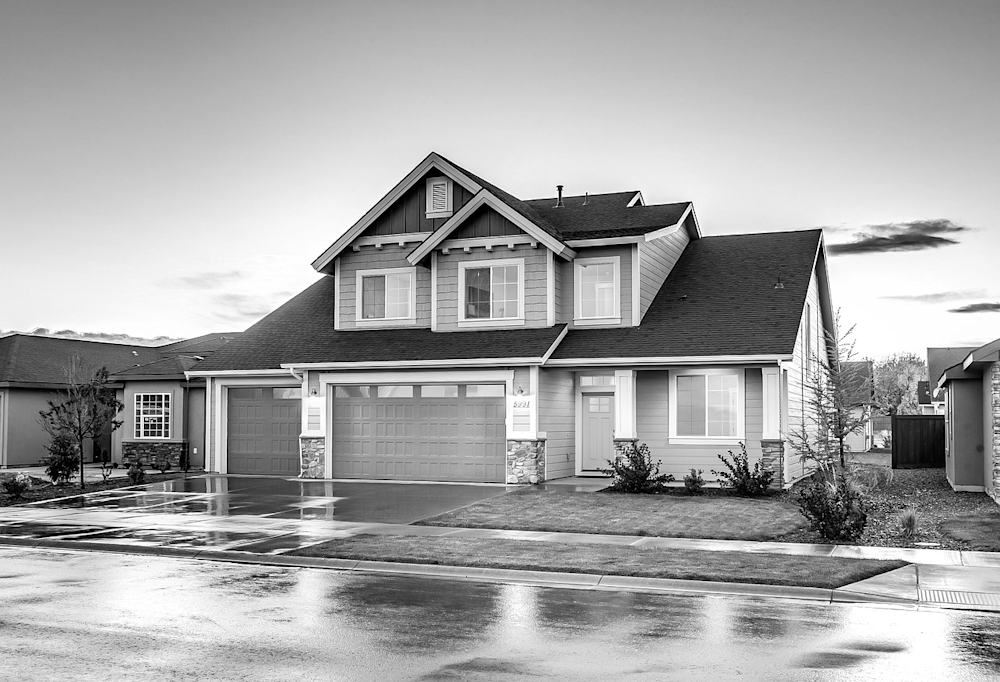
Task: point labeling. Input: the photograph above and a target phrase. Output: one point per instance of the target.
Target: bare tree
(84, 410)
(896, 380)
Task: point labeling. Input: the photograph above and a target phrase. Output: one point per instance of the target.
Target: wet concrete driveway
(257, 514)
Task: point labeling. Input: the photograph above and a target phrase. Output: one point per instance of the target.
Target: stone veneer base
(153, 453)
(773, 459)
(525, 461)
(312, 456)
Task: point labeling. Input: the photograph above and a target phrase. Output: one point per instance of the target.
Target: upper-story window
(152, 415)
(439, 197)
(597, 290)
(386, 294)
(493, 291)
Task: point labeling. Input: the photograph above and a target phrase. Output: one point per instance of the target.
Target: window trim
(578, 265)
(384, 321)
(464, 321)
(740, 374)
(449, 197)
(166, 417)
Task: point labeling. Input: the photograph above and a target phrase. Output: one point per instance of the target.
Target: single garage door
(420, 432)
(264, 423)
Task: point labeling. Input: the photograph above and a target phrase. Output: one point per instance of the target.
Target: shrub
(740, 478)
(17, 486)
(868, 477)
(63, 460)
(136, 474)
(163, 464)
(908, 524)
(836, 509)
(636, 472)
(693, 482)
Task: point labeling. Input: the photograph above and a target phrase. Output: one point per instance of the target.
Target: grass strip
(736, 567)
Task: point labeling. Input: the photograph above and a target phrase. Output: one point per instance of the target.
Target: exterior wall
(370, 258)
(656, 259)
(26, 439)
(653, 426)
(195, 413)
(859, 441)
(964, 460)
(449, 295)
(177, 411)
(409, 213)
(557, 419)
(3, 428)
(568, 289)
(485, 222)
(799, 373)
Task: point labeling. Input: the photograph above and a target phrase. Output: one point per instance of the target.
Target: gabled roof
(987, 353)
(940, 359)
(198, 345)
(301, 332)
(601, 216)
(718, 301)
(41, 360)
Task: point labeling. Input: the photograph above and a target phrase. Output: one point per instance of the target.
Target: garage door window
(395, 391)
(439, 391)
(294, 393)
(353, 392)
(152, 415)
(485, 390)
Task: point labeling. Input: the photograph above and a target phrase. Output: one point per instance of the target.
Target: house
(859, 378)
(925, 405)
(972, 418)
(459, 333)
(34, 368)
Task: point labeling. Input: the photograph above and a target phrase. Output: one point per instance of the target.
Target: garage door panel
(263, 428)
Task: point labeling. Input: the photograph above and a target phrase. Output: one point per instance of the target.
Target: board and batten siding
(370, 258)
(485, 222)
(409, 213)
(557, 418)
(568, 288)
(449, 295)
(653, 426)
(798, 379)
(656, 259)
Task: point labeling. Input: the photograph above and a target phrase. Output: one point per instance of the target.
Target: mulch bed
(42, 489)
(944, 516)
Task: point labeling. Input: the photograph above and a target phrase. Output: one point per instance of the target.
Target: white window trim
(463, 321)
(449, 193)
(740, 374)
(578, 265)
(167, 417)
(384, 321)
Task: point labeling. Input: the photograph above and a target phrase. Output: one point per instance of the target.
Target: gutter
(680, 360)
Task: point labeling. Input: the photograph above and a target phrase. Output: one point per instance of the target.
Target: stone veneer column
(623, 446)
(313, 456)
(525, 461)
(995, 410)
(773, 459)
(153, 453)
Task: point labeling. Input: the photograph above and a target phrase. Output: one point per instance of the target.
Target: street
(99, 616)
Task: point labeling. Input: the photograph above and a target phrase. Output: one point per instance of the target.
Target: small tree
(896, 380)
(84, 410)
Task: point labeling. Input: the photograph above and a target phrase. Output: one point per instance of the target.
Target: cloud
(242, 307)
(939, 297)
(206, 280)
(978, 308)
(915, 235)
(109, 337)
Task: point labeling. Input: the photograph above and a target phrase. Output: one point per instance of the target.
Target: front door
(598, 436)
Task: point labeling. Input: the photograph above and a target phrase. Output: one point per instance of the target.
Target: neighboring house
(860, 382)
(925, 404)
(938, 360)
(33, 369)
(461, 334)
(972, 420)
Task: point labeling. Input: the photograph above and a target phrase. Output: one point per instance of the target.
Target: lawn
(44, 490)
(770, 569)
(712, 516)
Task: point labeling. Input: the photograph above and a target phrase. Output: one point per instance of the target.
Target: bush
(17, 486)
(163, 464)
(868, 477)
(740, 478)
(136, 474)
(636, 472)
(908, 524)
(693, 482)
(64, 459)
(835, 509)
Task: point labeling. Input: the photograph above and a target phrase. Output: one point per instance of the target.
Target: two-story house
(461, 334)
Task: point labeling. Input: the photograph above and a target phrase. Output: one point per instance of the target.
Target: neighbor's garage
(420, 432)
(264, 423)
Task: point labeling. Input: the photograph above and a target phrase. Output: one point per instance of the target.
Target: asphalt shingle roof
(302, 331)
(172, 366)
(606, 215)
(31, 359)
(940, 359)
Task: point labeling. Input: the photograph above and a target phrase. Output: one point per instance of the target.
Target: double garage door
(401, 432)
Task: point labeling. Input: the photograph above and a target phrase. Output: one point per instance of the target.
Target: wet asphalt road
(97, 616)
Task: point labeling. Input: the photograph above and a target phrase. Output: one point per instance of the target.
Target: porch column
(525, 443)
(312, 441)
(626, 433)
(994, 383)
(772, 446)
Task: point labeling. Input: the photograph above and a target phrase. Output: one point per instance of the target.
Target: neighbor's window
(386, 295)
(152, 415)
(493, 292)
(706, 405)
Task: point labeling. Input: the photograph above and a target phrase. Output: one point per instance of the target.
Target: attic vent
(439, 197)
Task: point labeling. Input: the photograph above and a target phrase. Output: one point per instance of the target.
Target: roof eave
(766, 359)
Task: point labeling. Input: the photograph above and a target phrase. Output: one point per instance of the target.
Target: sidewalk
(935, 578)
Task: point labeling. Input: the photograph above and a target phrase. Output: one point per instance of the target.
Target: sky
(173, 168)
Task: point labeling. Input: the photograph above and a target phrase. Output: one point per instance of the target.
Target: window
(706, 404)
(152, 415)
(485, 390)
(386, 294)
(287, 393)
(439, 197)
(395, 391)
(352, 392)
(597, 381)
(439, 391)
(597, 289)
(493, 290)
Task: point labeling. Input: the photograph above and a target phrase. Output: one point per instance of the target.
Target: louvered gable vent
(439, 192)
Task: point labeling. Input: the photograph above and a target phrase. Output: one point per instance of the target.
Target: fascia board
(404, 364)
(679, 360)
(605, 241)
(237, 373)
(432, 161)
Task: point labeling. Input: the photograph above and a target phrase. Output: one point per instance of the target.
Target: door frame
(220, 405)
(580, 390)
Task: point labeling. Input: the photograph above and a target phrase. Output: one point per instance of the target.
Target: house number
(522, 403)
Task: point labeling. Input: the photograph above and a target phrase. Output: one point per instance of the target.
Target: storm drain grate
(966, 598)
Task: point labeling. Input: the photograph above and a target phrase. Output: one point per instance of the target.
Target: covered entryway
(430, 432)
(263, 427)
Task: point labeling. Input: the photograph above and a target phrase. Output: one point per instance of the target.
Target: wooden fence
(917, 441)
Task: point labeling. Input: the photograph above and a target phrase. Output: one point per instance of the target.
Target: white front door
(598, 431)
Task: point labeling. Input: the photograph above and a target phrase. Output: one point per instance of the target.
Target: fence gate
(918, 441)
